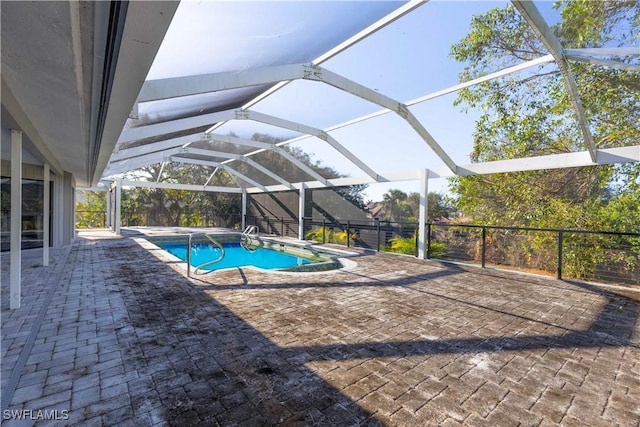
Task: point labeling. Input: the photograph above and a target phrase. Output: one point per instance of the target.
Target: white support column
(116, 226)
(46, 206)
(244, 209)
(422, 216)
(301, 202)
(16, 219)
(58, 210)
(108, 221)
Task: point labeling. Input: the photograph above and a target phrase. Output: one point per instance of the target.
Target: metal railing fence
(605, 256)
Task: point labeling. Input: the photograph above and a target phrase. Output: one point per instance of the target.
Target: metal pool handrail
(251, 229)
(214, 241)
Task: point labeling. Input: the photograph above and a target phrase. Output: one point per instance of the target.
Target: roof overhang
(71, 72)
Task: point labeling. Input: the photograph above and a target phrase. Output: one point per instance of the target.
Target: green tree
(91, 209)
(530, 114)
(400, 206)
(169, 207)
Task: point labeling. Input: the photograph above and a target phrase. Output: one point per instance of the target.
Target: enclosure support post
(378, 234)
(560, 239)
(422, 214)
(301, 203)
(108, 221)
(348, 228)
(46, 203)
(118, 204)
(324, 231)
(244, 209)
(484, 246)
(428, 240)
(16, 219)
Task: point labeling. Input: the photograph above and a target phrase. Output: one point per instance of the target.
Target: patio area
(112, 333)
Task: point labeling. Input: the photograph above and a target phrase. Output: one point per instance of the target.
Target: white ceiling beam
(329, 77)
(605, 62)
(161, 170)
(262, 146)
(371, 29)
(531, 14)
(284, 153)
(154, 155)
(173, 186)
(552, 161)
(220, 165)
(189, 160)
(134, 134)
(154, 90)
(157, 146)
(516, 68)
(122, 166)
(212, 175)
(239, 141)
(267, 172)
(298, 127)
(243, 177)
(605, 51)
(506, 71)
(210, 153)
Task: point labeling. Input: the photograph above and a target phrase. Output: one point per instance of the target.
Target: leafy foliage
(531, 114)
(400, 206)
(330, 236)
(90, 212)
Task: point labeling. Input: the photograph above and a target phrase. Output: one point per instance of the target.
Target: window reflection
(32, 213)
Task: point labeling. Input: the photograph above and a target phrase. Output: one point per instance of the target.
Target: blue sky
(404, 60)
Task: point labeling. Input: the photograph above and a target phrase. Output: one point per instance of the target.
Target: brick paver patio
(112, 334)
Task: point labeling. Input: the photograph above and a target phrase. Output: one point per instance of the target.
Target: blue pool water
(235, 256)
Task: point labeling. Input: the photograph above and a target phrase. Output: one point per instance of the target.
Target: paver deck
(114, 334)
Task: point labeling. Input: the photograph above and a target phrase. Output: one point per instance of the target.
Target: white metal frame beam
(309, 130)
(323, 75)
(554, 161)
(356, 38)
(195, 84)
(604, 51)
(531, 14)
(223, 166)
(142, 132)
(604, 62)
(188, 187)
(129, 159)
(157, 146)
(267, 172)
(154, 90)
(261, 146)
(185, 124)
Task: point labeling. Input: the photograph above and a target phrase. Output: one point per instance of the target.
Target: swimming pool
(238, 256)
